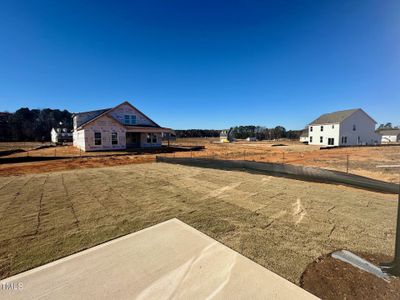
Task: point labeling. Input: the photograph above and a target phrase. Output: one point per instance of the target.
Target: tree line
(264, 133)
(32, 124)
(243, 132)
(197, 133)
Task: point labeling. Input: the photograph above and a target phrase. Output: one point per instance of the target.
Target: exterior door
(132, 140)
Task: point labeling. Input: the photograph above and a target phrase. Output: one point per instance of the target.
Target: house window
(154, 139)
(354, 128)
(331, 141)
(148, 138)
(129, 119)
(344, 139)
(333, 126)
(321, 139)
(114, 138)
(311, 128)
(322, 128)
(97, 138)
(310, 139)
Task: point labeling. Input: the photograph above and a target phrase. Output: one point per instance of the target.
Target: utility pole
(393, 268)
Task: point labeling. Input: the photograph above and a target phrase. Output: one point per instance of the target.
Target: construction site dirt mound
(329, 278)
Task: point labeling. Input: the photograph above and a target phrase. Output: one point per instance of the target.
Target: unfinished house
(117, 128)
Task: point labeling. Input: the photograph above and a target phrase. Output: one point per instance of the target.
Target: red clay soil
(329, 278)
(71, 164)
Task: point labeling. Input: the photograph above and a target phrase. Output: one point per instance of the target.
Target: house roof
(94, 113)
(337, 116)
(389, 132)
(102, 112)
(334, 117)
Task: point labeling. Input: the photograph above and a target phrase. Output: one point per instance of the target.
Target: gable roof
(102, 112)
(389, 132)
(336, 117)
(93, 113)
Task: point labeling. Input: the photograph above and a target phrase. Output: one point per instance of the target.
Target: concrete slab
(170, 260)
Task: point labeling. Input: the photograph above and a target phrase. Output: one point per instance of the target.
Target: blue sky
(203, 64)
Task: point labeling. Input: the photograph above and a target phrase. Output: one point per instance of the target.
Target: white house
(120, 127)
(390, 135)
(343, 128)
(60, 135)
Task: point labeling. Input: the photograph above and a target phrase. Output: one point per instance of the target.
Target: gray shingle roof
(389, 132)
(334, 117)
(84, 117)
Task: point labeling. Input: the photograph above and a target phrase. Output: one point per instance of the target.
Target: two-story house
(120, 127)
(343, 128)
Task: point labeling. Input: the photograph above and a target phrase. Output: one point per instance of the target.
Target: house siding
(125, 109)
(106, 126)
(327, 133)
(365, 129)
(145, 144)
(79, 139)
(390, 138)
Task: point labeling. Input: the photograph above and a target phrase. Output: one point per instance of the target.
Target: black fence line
(286, 170)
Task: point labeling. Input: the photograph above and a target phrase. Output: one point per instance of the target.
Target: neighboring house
(390, 135)
(304, 136)
(120, 127)
(343, 128)
(225, 136)
(61, 135)
(251, 139)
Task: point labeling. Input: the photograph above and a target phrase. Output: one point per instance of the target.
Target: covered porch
(144, 137)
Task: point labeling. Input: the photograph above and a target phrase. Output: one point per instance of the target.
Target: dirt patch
(330, 278)
(72, 164)
(282, 224)
(357, 160)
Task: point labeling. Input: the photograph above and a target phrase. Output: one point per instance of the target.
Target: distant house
(304, 136)
(343, 128)
(390, 135)
(120, 127)
(225, 136)
(61, 135)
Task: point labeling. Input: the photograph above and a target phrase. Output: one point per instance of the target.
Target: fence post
(347, 163)
(393, 267)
